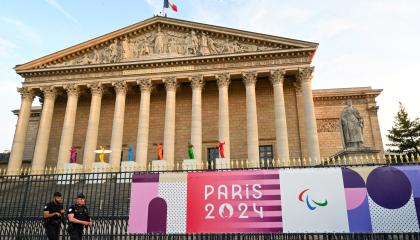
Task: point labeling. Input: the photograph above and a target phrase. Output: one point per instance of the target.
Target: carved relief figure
(126, 48)
(113, 52)
(159, 42)
(204, 49)
(351, 124)
(172, 46)
(212, 46)
(192, 44)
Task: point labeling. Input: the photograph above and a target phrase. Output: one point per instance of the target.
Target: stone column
(143, 127)
(93, 126)
(282, 142)
(43, 137)
(118, 125)
(169, 132)
(18, 146)
(68, 125)
(304, 78)
(223, 81)
(197, 85)
(250, 79)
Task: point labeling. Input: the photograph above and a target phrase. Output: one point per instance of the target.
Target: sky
(361, 42)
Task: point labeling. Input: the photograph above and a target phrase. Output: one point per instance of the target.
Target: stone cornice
(345, 93)
(155, 22)
(181, 61)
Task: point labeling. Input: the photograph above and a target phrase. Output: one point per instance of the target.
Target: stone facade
(255, 90)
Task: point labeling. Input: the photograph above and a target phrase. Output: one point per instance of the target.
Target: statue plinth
(358, 155)
(190, 164)
(69, 170)
(98, 175)
(222, 163)
(159, 165)
(127, 169)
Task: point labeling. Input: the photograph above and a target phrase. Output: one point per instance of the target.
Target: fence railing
(377, 159)
(22, 198)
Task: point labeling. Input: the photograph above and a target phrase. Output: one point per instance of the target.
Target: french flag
(167, 4)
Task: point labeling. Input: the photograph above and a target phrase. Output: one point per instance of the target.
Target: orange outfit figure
(160, 151)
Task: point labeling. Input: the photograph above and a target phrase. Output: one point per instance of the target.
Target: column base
(159, 165)
(69, 176)
(97, 175)
(222, 163)
(127, 169)
(191, 164)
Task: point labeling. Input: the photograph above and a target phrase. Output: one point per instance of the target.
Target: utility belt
(56, 221)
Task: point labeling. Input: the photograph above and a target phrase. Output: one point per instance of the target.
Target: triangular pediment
(163, 38)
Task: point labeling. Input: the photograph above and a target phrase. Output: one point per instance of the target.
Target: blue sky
(362, 42)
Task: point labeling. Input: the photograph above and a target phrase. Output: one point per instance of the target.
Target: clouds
(57, 6)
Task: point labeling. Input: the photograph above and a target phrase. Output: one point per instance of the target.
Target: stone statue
(221, 149)
(159, 42)
(73, 155)
(190, 151)
(212, 46)
(172, 46)
(113, 49)
(351, 125)
(130, 153)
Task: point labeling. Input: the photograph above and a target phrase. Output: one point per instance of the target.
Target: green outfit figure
(190, 151)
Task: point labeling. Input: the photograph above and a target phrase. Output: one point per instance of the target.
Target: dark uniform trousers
(76, 230)
(53, 231)
(53, 224)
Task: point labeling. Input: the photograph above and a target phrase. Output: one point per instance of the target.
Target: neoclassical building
(172, 81)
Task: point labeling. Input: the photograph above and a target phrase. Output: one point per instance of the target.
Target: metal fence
(22, 198)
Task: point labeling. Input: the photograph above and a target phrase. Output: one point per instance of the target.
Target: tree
(405, 134)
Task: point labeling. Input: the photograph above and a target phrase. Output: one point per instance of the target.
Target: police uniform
(52, 224)
(80, 213)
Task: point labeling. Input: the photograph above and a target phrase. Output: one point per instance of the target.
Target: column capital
(72, 90)
(170, 83)
(96, 88)
(145, 84)
(197, 81)
(305, 74)
(223, 79)
(49, 92)
(120, 87)
(249, 78)
(26, 93)
(277, 76)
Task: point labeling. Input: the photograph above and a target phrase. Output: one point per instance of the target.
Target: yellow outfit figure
(102, 154)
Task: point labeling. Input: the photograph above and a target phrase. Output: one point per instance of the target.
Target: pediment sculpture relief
(163, 43)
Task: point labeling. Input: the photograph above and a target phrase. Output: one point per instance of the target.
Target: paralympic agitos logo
(310, 203)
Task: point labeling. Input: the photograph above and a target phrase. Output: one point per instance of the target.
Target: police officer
(53, 211)
(78, 218)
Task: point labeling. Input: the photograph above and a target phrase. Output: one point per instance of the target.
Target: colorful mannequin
(190, 150)
(221, 149)
(73, 155)
(102, 154)
(130, 153)
(160, 151)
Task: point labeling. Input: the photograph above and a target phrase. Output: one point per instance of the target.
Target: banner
(360, 199)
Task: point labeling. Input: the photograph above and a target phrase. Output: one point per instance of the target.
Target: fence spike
(406, 158)
(418, 158)
(411, 157)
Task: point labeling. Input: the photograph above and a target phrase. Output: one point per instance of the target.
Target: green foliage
(405, 134)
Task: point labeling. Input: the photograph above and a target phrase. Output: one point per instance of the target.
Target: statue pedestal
(68, 176)
(353, 156)
(222, 163)
(127, 169)
(190, 164)
(159, 165)
(98, 175)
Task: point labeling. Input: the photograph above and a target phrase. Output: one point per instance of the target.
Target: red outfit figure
(221, 150)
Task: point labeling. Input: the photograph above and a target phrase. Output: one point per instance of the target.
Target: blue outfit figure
(130, 153)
